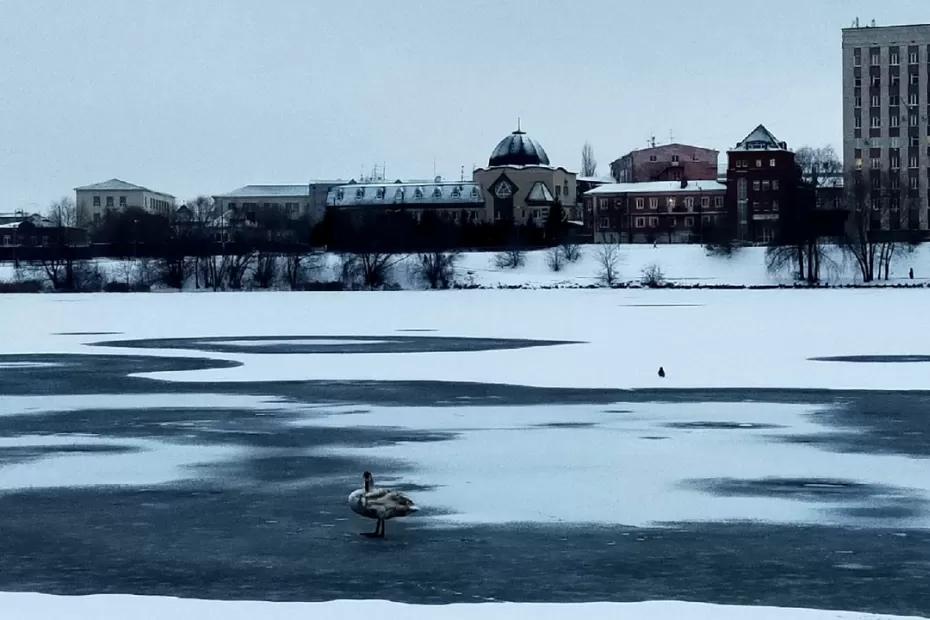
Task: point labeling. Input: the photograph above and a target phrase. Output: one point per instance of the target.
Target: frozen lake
(202, 445)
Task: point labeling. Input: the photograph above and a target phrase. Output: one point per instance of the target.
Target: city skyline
(203, 97)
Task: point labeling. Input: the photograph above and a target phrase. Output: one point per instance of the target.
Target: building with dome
(519, 184)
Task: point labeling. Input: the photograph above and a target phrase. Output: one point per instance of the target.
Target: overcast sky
(199, 96)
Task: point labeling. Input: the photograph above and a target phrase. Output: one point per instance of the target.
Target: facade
(294, 201)
(668, 162)
(93, 201)
(34, 231)
(454, 201)
(762, 179)
(660, 211)
(886, 104)
(519, 184)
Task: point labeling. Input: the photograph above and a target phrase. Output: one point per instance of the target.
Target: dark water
(272, 524)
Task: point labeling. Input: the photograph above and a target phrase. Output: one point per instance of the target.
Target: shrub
(653, 276)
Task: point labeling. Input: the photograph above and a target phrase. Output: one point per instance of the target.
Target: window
(689, 203)
(895, 120)
(876, 101)
(895, 182)
(640, 203)
(672, 221)
(772, 163)
(912, 57)
(894, 100)
(718, 201)
(912, 161)
(895, 142)
(915, 79)
(604, 204)
(876, 59)
(109, 201)
(858, 101)
(775, 184)
(876, 121)
(340, 194)
(705, 201)
(876, 81)
(858, 156)
(359, 194)
(914, 119)
(915, 182)
(652, 158)
(640, 222)
(437, 192)
(876, 163)
(858, 122)
(379, 193)
(675, 158)
(912, 99)
(689, 222)
(558, 191)
(96, 201)
(418, 193)
(122, 201)
(758, 163)
(604, 222)
(766, 185)
(895, 82)
(457, 191)
(653, 203)
(756, 186)
(914, 142)
(894, 58)
(857, 57)
(857, 82)
(653, 222)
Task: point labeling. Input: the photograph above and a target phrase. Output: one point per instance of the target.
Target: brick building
(762, 180)
(660, 211)
(669, 162)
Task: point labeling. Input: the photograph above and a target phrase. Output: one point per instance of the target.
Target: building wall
(890, 161)
(251, 206)
(559, 181)
(669, 162)
(647, 217)
(92, 205)
(760, 191)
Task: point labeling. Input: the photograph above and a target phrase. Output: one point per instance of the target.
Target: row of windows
(913, 120)
(894, 56)
(744, 163)
(381, 192)
(675, 158)
(122, 201)
(875, 81)
(894, 157)
(291, 207)
(672, 202)
(653, 222)
(893, 100)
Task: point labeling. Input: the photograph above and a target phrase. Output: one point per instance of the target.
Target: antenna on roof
(462, 173)
(671, 136)
(855, 23)
(651, 141)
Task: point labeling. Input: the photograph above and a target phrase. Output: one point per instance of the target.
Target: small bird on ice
(661, 372)
(380, 504)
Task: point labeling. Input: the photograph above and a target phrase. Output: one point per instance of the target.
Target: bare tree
(608, 258)
(510, 259)
(588, 162)
(555, 258)
(266, 270)
(653, 277)
(369, 269)
(819, 166)
(571, 251)
(202, 210)
(62, 213)
(868, 239)
(437, 268)
(297, 265)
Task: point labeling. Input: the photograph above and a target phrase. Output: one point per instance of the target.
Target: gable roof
(760, 139)
(118, 185)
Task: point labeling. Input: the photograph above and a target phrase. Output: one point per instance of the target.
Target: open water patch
(338, 344)
(874, 359)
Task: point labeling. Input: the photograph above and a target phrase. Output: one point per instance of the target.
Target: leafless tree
(510, 259)
(588, 162)
(202, 210)
(867, 240)
(266, 270)
(437, 268)
(819, 166)
(608, 258)
(653, 277)
(62, 213)
(369, 269)
(297, 265)
(571, 251)
(555, 258)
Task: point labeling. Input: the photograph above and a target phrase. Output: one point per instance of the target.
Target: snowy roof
(760, 139)
(526, 166)
(585, 179)
(520, 149)
(658, 187)
(540, 193)
(386, 194)
(117, 185)
(254, 191)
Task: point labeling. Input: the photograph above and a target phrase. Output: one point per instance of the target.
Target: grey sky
(201, 96)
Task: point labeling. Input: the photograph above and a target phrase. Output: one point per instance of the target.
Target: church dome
(518, 149)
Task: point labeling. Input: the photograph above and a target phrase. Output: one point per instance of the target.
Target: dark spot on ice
(653, 437)
(722, 425)
(874, 359)
(660, 305)
(86, 333)
(566, 425)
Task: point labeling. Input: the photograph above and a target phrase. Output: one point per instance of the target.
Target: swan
(380, 504)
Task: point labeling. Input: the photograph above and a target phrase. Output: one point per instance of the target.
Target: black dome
(518, 149)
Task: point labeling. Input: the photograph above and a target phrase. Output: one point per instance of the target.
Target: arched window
(418, 194)
(340, 194)
(380, 193)
(399, 194)
(437, 192)
(457, 191)
(360, 193)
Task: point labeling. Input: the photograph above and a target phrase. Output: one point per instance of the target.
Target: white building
(93, 201)
(295, 201)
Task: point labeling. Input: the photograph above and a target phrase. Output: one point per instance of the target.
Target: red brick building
(669, 162)
(762, 180)
(657, 212)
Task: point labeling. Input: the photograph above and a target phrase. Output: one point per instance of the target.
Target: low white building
(456, 201)
(93, 201)
(295, 201)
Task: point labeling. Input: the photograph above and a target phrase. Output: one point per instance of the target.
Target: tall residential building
(886, 103)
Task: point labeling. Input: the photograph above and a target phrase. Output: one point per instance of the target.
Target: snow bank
(28, 606)
(681, 264)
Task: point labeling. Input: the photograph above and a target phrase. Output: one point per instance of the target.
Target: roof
(600, 180)
(658, 187)
(257, 191)
(539, 193)
(411, 194)
(117, 185)
(760, 139)
(520, 149)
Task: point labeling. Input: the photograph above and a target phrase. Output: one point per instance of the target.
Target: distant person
(910, 273)
(661, 372)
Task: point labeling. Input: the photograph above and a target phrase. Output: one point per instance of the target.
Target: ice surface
(28, 606)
